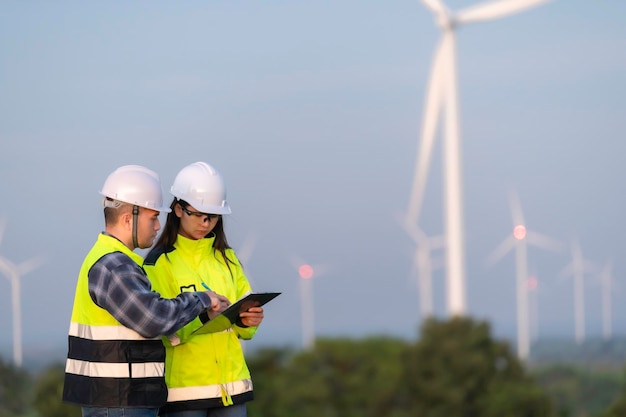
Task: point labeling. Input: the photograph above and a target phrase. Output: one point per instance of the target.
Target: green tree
(342, 378)
(618, 407)
(14, 392)
(364, 377)
(457, 370)
(577, 391)
(48, 392)
(267, 367)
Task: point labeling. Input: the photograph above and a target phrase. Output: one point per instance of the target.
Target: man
(115, 361)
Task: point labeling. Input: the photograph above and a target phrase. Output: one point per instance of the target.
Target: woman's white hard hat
(202, 186)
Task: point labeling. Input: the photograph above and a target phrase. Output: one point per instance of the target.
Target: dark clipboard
(229, 316)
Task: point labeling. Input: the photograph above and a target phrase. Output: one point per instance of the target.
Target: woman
(206, 374)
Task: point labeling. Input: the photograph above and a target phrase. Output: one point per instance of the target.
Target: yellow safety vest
(108, 364)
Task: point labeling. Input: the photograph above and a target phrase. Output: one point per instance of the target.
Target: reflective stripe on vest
(208, 391)
(85, 331)
(115, 370)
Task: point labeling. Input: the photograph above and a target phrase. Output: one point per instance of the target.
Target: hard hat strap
(135, 219)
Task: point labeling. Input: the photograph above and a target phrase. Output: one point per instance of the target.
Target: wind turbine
(606, 280)
(442, 96)
(423, 265)
(577, 269)
(13, 273)
(536, 288)
(519, 240)
(307, 272)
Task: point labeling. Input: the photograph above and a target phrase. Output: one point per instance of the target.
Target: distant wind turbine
(519, 240)
(307, 272)
(13, 273)
(606, 280)
(423, 265)
(536, 288)
(577, 270)
(442, 96)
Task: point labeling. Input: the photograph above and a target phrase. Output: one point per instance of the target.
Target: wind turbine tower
(306, 298)
(518, 241)
(606, 282)
(442, 97)
(577, 269)
(14, 273)
(533, 314)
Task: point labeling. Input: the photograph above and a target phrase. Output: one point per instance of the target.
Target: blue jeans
(238, 410)
(119, 412)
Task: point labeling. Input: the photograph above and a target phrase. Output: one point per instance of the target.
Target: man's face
(148, 225)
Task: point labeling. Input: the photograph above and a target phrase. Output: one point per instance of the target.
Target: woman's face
(194, 224)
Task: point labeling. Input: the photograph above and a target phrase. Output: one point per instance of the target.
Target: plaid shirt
(120, 286)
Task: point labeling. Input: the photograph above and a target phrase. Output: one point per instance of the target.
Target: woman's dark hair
(172, 225)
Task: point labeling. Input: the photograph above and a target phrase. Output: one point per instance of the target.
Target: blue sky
(312, 112)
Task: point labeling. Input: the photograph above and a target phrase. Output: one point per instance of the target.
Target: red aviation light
(519, 232)
(305, 271)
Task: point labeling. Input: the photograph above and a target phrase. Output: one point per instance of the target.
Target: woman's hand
(252, 317)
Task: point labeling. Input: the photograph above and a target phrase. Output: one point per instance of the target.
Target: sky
(311, 111)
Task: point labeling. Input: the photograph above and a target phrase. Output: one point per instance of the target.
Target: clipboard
(229, 316)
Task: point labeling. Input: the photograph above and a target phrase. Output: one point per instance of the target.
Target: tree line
(454, 369)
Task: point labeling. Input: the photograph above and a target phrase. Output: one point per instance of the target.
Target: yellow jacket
(208, 370)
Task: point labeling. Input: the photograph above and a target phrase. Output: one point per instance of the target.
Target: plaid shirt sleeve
(121, 287)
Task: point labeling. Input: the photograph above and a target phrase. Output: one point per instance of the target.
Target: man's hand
(219, 303)
(252, 317)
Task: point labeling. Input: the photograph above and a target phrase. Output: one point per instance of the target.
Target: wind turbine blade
(516, 209)
(417, 235)
(574, 266)
(494, 10)
(6, 267)
(30, 265)
(499, 252)
(410, 228)
(544, 242)
(321, 269)
(432, 110)
(436, 6)
(296, 261)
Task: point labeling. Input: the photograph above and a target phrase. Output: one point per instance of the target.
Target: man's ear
(126, 220)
